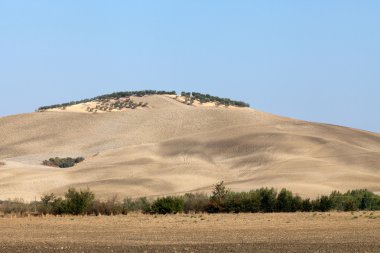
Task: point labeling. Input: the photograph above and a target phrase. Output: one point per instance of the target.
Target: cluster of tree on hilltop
(110, 96)
(204, 98)
(135, 93)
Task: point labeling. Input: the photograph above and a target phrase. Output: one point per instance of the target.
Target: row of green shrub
(204, 98)
(222, 200)
(110, 96)
(265, 200)
(62, 162)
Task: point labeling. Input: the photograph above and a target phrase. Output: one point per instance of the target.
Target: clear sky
(313, 60)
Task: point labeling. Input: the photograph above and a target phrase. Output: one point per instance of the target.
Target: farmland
(272, 232)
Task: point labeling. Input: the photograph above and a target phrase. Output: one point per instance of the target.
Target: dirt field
(301, 232)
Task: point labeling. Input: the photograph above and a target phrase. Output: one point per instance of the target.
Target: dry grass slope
(170, 147)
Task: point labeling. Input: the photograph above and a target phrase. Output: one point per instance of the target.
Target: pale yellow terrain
(168, 147)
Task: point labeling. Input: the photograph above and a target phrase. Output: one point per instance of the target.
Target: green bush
(62, 162)
(59, 207)
(242, 202)
(306, 205)
(284, 201)
(75, 202)
(322, 204)
(267, 199)
(167, 205)
(78, 202)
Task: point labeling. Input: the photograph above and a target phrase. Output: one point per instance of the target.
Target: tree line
(222, 200)
(205, 98)
(115, 95)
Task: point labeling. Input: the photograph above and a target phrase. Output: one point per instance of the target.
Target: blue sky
(313, 60)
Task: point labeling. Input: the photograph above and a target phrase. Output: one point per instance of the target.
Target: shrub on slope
(62, 162)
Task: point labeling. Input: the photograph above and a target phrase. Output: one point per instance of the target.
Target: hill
(174, 144)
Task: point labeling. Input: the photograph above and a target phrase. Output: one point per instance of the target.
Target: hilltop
(121, 101)
(150, 144)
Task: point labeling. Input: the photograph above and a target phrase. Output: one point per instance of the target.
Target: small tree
(217, 200)
(284, 201)
(79, 202)
(268, 199)
(322, 204)
(306, 205)
(168, 205)
(46, 205)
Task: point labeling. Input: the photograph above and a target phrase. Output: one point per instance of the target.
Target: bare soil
(299, 232)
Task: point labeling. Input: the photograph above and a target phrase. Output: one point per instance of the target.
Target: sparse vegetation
(123, 100)
(115, 95)
(62, 162)
(140, 204)
(222, 200)
(75, 202)
(205, 98)
(15, 206)
(197, 202)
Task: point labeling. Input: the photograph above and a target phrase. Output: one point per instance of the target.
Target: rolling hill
(166, 146)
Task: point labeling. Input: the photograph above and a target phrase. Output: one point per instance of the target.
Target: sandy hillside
(168, 147)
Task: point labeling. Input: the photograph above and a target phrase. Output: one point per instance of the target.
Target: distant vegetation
(115, 95)
(75, 202)
(2, 163)
(167, 205)
(205, 98)
(62, 162)
(222, 200)
(107, 105)
(190, 97)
